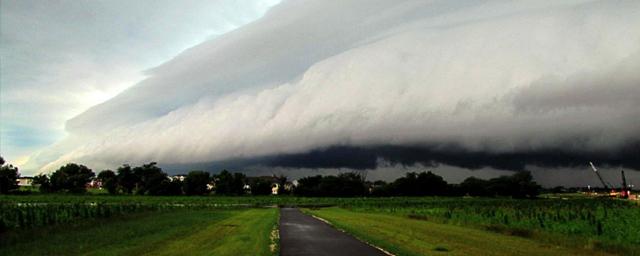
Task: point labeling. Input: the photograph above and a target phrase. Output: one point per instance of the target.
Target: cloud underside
(343, 84)
(374, 157)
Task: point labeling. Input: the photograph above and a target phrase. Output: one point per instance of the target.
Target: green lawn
(404, 236)
(181, 232)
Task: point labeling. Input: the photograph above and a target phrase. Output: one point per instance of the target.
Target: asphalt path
(303, 235)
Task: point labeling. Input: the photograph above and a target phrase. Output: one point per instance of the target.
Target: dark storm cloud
(371, 158)
(361, 158)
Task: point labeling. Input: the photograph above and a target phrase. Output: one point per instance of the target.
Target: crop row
(607, 220)
(28, 215)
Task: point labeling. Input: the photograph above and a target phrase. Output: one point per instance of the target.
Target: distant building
(289, 186)
(179, 177)
(25, 181)
(94, 183)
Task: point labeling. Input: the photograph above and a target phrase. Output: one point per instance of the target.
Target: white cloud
(492, 76)
(61, 57)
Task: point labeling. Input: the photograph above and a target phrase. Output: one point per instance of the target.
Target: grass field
(404, 236)
(607, 225)
(180, 232)
(63, 224)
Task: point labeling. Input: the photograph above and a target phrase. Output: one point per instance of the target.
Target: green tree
(109, 181)
(239, 180)
(526, 187)
(196, 183)
(260, 186)
(163, 186)
(229, 184)
(8, 177)
(379, 188)
(309, 186)
(475, 187)
(173, 188)
(419, 184)
(150, 179)
(72, 178)
(224, 183)
(126, 179)
(518, 185)
(430, 184)
(44, 183)
(345, 184)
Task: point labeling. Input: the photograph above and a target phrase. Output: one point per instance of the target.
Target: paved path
(303, 235)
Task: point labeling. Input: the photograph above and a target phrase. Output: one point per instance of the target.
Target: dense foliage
(414, 184)
(8, 176)
(345, 184)
(260, 185)
(518, 185)
(196, 183)
(147, 179)
(71, 177)
(150, 179)
(109, 181)
(229, 184)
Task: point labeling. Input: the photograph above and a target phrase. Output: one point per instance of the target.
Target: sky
(59, 58)
(463, 88)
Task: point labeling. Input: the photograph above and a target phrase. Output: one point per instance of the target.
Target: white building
(25, 181)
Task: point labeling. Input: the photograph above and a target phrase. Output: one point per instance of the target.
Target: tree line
(518, 185)
(150, 179)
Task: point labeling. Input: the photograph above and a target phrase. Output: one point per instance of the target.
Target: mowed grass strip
(183, 232)
(245, 233)
(403, 236)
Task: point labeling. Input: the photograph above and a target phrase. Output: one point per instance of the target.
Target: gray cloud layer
(485, 76)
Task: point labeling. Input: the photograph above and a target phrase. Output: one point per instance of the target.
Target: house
(274, 180)
(288, 186)
(94, 183)
(25, 181)
(179, 177)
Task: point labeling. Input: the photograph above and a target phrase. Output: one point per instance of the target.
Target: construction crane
(605, 184)
(625, 189)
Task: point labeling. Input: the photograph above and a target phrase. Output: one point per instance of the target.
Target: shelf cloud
(473, 84)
